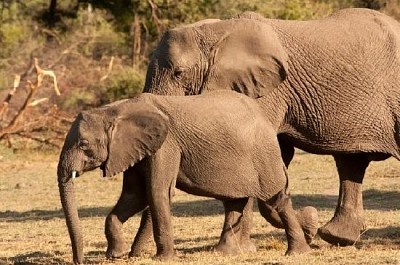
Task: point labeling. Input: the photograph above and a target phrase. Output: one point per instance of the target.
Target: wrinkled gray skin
(160, 142)
(330, 86)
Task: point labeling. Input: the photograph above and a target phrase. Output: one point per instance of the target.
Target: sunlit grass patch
(33, 229)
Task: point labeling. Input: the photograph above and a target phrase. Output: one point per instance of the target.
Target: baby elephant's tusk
(73, 175)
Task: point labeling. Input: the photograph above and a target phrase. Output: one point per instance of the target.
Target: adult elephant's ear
(134, 136)
(248, 57)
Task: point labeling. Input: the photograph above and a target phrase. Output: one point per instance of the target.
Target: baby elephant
(217, 144)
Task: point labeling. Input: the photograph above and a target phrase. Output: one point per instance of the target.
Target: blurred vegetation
(99, 50)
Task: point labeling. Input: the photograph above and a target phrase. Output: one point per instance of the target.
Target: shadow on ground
(373, 200)
(37, 258)
(383, 235)
(36, 215)
(33, 258)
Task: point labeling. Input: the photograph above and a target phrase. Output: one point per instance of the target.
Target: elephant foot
(164, 256)
(138, 247)
(344, 228)
(134, 253)
(247, 246)
(308, 219)
(117, 250)
(116, 244)
(143, 235)
(233, 246)
(298, 248)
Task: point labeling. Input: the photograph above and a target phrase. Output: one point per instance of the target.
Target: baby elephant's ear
(134, 137)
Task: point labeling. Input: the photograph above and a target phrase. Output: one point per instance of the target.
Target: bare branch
(137, 36)
(53, 34)
(17, 80)
(110, 66)
(4, 108)
(39, 139)
(14, 126)
(154, 9)
(41, 73)
(37, 102)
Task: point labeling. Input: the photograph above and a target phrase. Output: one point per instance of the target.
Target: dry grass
(33, 231)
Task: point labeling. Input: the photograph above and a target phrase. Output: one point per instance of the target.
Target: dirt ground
(33, 230)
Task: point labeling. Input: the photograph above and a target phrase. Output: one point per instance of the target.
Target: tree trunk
(136, 45)
(52, 13)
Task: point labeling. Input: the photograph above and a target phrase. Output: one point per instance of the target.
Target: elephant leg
(282, 204)
(348, 221)
(143, 235)
(145, 231)
(306, 216)
(163, 169)
(131, 201)
(235, 236)
(246, 244)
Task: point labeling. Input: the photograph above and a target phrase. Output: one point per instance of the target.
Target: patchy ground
(33, 230)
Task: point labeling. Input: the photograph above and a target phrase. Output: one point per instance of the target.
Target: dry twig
(21, 125)
(6, 102)
(110, 66)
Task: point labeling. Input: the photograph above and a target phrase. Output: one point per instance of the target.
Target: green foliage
(373, 4)
(11, 34)
(300, 10)
(78, 99)
(99, 34)
(19, 37)
(123, 84)
(4, 80)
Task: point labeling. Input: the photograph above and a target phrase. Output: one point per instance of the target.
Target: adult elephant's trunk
(67, 196)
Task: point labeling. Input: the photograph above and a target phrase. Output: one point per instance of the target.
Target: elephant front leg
(131, 201)
(162, 225)
(144, 233)
(235, 236)
(160, 185)
(348, 221)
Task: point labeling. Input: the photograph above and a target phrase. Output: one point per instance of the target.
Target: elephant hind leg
(282, 204)
(143, 235)
(235, 236)
(348, 221)
(123, 210)
(306, 216)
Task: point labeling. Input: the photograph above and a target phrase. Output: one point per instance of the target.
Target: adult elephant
(329, 86)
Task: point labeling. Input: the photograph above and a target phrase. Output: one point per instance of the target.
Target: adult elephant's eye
(84, 144)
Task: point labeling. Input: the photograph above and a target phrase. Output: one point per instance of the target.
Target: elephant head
(113, 138)
(241, 54)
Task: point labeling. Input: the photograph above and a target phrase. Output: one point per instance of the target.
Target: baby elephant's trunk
(67, 196)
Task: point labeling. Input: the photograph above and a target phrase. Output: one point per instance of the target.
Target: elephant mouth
(103, 169)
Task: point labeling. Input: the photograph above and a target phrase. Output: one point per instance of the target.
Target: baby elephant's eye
(84, 144)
